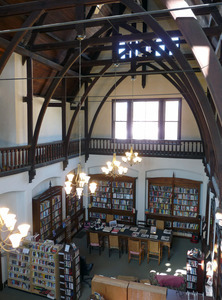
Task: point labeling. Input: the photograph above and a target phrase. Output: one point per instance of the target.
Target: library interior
(110, 149)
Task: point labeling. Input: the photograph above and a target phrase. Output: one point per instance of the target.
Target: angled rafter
(29, 7)
(17, 38)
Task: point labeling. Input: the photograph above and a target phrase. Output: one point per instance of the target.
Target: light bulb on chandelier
(114, 168)
(131, 157)
(78, 181)
(10, 239)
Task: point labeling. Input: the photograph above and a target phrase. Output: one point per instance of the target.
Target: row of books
(128, 185)
(101, 205)
(45, 213)
(161, 188)
(160, 211)
(122, 190)
(185, 190)
(160, 205)
(44, 205)
(186, 196)
(161, 194)
(184, 214)
(185, 202)
(101, 199)
(185, 208)
(56, 206)
(160, 200)
(123, 207)
(56, 199)
(122, 196)
(185, 225)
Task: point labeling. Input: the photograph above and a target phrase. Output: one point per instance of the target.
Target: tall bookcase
(34, 268)
(76, 212)
(176, 201)
(19, 269)
(115, 196)
(69, 270)
(195, 271)
(217, 275)
(47, 212)
(45, 269)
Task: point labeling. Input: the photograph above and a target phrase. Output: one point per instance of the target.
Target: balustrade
(16, 158)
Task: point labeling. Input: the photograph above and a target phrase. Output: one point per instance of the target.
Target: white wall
(155, 167)
(157, 87)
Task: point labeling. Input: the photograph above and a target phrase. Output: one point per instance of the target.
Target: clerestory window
(154, 119)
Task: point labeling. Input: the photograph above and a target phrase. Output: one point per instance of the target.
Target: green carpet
(114, 266)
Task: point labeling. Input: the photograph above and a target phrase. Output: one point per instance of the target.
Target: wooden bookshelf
(217, 272)
(115, 196)
(69, 272)
(45, 269)
(195, 272)
(19, 269)
(34, 268)
(76, 212)
(176, 201)
(47, 212)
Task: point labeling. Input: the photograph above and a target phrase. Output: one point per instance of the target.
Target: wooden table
(128, 234)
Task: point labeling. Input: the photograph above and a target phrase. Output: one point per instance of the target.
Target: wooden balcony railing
(160, 148)
(16, 159)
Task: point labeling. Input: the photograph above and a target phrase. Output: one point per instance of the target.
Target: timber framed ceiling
(47, 33)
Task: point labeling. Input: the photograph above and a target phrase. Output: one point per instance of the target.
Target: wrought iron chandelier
(10, 239)
(114, 168)
(80, 179)
(131, 157)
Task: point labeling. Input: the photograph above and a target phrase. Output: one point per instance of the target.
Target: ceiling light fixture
(10, 239)
(131, 157)
(114, 167)
(81, 179)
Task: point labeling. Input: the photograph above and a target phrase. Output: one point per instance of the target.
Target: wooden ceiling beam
(18, 37)
(98, 41)
(112, 39)
(29, 7)
(150, 58)
(148, 72)
(51, 64)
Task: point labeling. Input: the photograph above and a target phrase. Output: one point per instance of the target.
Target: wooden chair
(109, 218)
(114, 243)
(160, 224)
(135, 250)
(154, 248)
(95, 242)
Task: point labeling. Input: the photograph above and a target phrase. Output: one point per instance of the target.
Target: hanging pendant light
(9, 238)
(131, 157)
(114, 167)
(81, 179)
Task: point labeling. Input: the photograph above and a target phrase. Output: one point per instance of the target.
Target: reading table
(126, 231)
